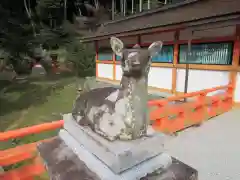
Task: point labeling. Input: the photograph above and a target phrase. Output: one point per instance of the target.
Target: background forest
(36, 30)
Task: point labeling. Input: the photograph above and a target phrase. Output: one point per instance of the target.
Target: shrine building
(211, 28)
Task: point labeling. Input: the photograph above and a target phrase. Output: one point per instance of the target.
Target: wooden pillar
(114, 66)
(175, 61)
(187, 65)
(139, 40)
(235, 60)
(96, 57)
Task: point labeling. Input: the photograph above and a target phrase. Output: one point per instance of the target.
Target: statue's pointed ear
(155, 48)
(117, 46)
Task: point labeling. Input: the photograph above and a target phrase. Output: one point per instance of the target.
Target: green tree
(15, 32)
(81, 57)
(30, 25)
(51, 12)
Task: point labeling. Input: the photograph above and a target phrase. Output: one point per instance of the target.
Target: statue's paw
(77, 118)
(125, 137)
(111, 125)
(103, 134)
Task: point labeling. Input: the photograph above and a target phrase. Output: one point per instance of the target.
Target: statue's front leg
(77, 112)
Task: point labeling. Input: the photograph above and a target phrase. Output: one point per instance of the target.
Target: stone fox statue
(120, 113)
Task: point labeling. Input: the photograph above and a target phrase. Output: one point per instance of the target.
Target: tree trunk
(30, 18)
(2, 65)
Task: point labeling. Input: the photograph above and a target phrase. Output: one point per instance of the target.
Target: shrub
(81, 58)
(21, 65)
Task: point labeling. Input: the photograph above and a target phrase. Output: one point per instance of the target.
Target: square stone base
(117, 155)
(63, 164)
(161, 161)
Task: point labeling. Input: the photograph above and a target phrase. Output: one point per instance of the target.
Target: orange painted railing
(167, 116)
(30, 130)
(24, 152)
(170, 118)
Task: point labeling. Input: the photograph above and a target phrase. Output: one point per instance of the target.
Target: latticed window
(105, 54)
(207, 53)
(164, 56)
(118, 58)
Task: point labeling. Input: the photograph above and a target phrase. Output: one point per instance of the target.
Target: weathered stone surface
(92, 83)
(62, 164)
(162, 161)
(107, 137)
(120, 113)
(72, 168)
(177, 171)
(118, 155)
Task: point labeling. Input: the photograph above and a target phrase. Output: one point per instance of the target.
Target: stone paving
(213, 148)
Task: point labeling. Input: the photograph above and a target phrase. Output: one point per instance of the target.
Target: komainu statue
(120, 113)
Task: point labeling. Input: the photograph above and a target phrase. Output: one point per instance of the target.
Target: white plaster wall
(237, 90)
(180, 80)
(105, 70)
(160, 77)
(118, 72)
(202, 79)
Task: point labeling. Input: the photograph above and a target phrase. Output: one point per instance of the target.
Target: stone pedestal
(79, 153)
(105, 172)
(62, 163)
(117, 155)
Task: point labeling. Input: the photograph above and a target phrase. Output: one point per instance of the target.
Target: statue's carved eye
(130, 55)
(111, 123)
(117, 48)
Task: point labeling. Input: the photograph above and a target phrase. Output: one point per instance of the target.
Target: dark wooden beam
(194, 25)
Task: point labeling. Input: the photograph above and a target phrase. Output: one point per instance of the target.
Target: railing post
(230, 91)
(202, 97)
(155, 115)
(202, 105)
